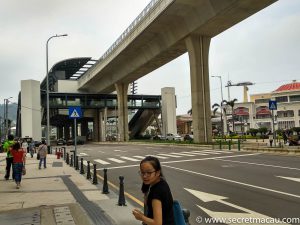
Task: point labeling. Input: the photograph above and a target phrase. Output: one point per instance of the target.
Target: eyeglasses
(147, 174)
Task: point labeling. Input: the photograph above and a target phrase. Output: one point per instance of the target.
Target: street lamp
(47, 88)
(221, 102)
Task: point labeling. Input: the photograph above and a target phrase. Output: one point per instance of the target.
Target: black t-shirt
(162, 192)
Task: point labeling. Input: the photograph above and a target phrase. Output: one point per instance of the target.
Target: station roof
(289, 87)
(74, 68)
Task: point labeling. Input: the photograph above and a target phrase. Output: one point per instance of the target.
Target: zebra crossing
(164, 156)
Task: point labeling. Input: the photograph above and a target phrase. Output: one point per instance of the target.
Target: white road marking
(82, 154)
(259, 164)
(187, 160)
(291, 178)
(157, 156)
(235, 182)
(169, 155)
(85, 163)
(196, 153)
(139, 156)
(117, 150)
(246, 213)
(206, 152)
(101, 162)
(182, 154)
(130, 159)
(116, 160)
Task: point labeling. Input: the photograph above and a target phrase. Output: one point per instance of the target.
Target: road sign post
(75, 113)
(273, 106)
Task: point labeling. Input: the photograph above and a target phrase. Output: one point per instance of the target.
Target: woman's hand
(138, 214)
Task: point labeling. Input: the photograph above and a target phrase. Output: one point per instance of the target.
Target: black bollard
(186, 214)
(95, 180)
(105, 185)
(121, 201)
(81, 166)
(71, 163)
(88, 171)
(67, 159)
(76, 163)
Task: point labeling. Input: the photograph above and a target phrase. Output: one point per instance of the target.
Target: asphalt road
(211, 183)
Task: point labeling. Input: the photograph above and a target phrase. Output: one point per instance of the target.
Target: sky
(263, 49)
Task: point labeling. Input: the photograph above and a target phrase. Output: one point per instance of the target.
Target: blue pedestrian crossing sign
(75, 112)
(272, 105)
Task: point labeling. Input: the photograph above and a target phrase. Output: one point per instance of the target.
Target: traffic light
(133, 87)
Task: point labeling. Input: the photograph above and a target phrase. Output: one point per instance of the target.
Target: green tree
(253, 132)
(231, 104)
(220, 107)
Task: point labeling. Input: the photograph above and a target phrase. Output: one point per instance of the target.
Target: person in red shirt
(18, 162)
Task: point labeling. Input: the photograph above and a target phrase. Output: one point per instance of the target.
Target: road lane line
(139, 156)
(196, 153)
(258, 164)
(183, 160)
(170, 155)
(157, 156)
(182, 154)
(130, 159)
(116, 160)
(101, 162)
(235, 182)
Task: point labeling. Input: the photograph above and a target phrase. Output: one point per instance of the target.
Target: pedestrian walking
(159, 198)
(25, 146)
(31, 148)
(271, 138)
(42, 151)
(9, 157)
(18, 162)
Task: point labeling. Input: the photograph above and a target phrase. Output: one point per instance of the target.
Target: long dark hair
(156, 165)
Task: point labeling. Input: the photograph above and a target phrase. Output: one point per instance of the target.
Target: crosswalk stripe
(130, 159)
(182, 154)
(101, 162)
(207, 152)
(116, 160)
(82, 154)
(85, 163)
(169, 155)
(196, 153)
(157, 156)
(139, 157)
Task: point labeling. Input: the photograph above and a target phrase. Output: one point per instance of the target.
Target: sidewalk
(58, 195)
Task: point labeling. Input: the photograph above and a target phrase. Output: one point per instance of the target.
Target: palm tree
(217, 106)
(231, 104)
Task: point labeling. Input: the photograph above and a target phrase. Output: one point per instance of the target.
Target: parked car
(188, 137)
(174, 137)
(159, 137)
(61, 141)
(71, 142)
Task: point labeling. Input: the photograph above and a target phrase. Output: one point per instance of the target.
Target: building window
(295, 98)
(262, 100)
(282, 99)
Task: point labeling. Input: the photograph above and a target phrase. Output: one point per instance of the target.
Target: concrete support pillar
(198, 49)
(168, 111)
(60, 132)
(122, 90)
(96, 126)
(103, 137)
(84, 129)
(67, 132)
